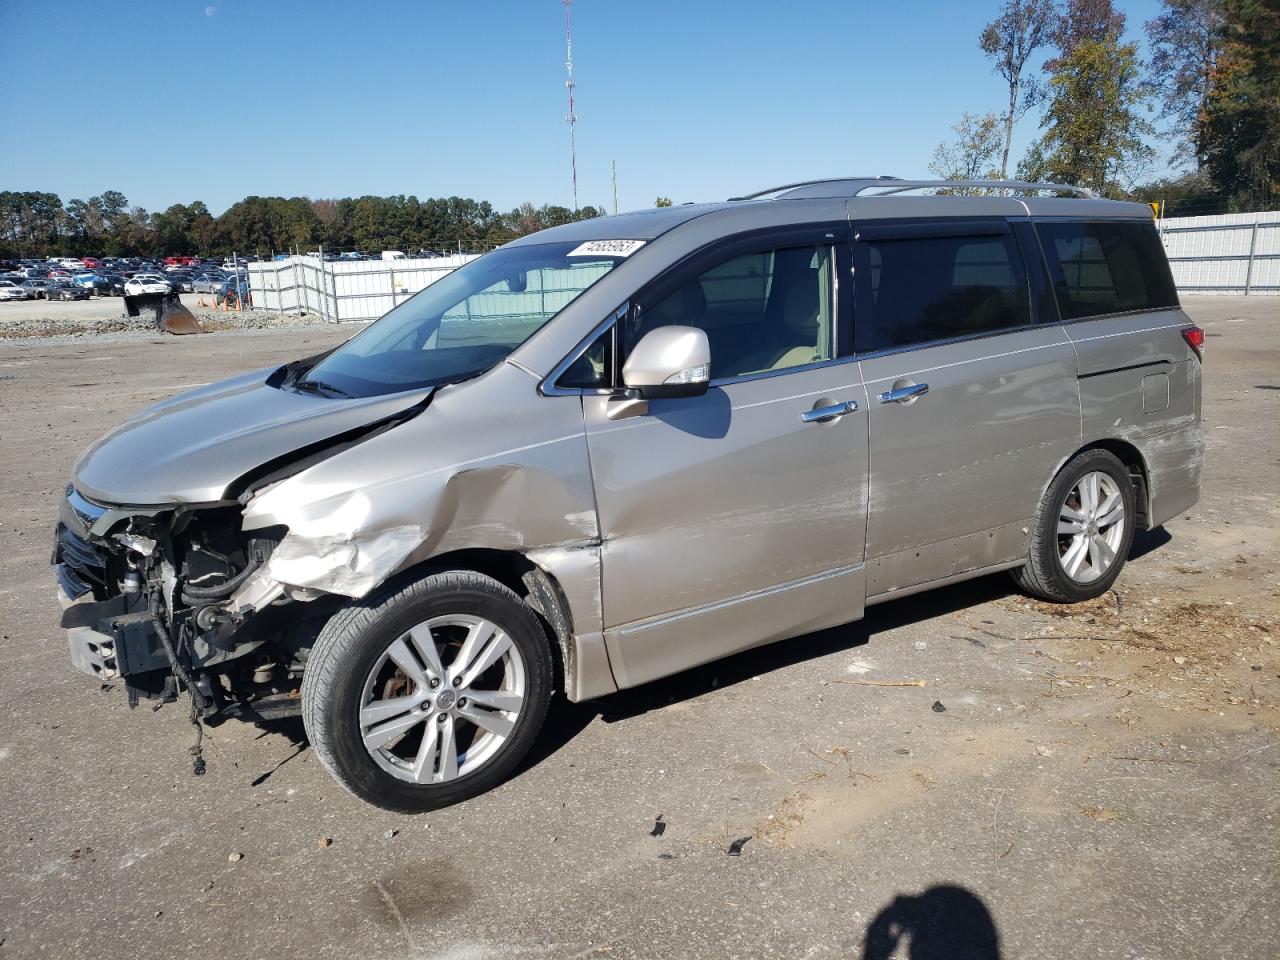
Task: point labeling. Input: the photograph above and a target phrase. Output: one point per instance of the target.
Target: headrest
(686, 304)
(800, 305)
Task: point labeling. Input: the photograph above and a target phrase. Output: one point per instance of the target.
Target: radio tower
(572, 118)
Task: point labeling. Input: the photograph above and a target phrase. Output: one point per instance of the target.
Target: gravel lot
(1092, 781)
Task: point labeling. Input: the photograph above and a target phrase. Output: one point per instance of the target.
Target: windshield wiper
(319, 386)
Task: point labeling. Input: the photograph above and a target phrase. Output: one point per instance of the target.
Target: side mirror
(669, 362)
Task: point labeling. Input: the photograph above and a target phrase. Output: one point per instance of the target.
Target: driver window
(763, 311)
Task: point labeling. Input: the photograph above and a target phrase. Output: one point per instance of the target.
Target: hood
(190, 448)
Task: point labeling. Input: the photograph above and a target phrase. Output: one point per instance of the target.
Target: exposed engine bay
(166, 601)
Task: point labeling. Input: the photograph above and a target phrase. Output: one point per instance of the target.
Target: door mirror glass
(669, 362)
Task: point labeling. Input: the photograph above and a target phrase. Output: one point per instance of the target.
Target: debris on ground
(324, 842)
(1102, 814)
(23, 330)
(882, 683)
(235, 857)
(390, 835)
(938, 707)
(659, 827)
(735, 848)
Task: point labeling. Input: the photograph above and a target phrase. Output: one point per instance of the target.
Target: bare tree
(1010, 40)
(972, 154)
(1184, 66)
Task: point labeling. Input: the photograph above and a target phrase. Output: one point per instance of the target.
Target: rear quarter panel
(1140, 383)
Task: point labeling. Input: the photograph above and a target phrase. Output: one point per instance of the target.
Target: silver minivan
(619, 448)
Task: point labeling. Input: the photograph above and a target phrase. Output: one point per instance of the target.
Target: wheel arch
(538, 587)
(1132, 459)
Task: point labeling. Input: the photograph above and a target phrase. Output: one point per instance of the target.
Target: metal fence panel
(1234, 253)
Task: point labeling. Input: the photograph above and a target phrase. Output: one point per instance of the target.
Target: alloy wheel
(442, 699)
(1091, 527)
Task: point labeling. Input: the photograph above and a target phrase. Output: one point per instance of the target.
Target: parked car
(89, 281)
(749, 421)
(65, 290)
(208, 283)
(181, 281)
(145, 283)
(35, 289)
(112, 286)
(11, 291)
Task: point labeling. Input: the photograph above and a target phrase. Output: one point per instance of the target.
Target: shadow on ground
(943, 923)
(567, 720)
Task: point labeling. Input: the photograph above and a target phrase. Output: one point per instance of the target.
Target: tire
(355, 670)
(1046, 574)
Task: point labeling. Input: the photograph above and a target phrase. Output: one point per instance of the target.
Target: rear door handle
(831, 412)
(902, 394)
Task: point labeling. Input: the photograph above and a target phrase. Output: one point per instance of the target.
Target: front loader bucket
(167, 309)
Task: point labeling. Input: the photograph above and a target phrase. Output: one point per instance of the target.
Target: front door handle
(903, 394)
(830, 412)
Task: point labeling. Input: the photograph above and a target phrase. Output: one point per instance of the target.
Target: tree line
(1211, 89)
(35, 224)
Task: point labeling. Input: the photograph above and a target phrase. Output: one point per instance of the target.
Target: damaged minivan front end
(182, 595)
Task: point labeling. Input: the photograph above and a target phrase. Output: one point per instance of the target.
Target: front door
(738, 517)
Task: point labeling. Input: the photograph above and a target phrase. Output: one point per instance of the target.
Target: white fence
(1236, 253)
(355, 290)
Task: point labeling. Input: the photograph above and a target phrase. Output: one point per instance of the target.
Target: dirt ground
(1050, 782)
(61, 321)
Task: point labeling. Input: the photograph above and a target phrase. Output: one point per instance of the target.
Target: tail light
(1195, 340)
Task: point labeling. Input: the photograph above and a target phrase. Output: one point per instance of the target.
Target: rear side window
(913, 289)
(1107, 267)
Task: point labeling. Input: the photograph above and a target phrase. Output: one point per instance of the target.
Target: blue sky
(178, 100)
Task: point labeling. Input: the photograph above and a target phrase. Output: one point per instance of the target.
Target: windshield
(464, 323)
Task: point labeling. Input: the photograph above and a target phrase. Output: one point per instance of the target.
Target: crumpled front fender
(452, 478)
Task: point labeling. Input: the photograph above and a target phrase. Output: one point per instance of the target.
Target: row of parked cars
(67, 278)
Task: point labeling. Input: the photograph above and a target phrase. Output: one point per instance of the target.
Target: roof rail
(847, 187)
(1020, 186)
(809, 183)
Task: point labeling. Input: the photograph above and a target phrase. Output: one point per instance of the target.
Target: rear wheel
(427, 694)
(1083, 531)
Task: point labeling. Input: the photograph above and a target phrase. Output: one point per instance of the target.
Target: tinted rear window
(1107, 267)
(915, 289)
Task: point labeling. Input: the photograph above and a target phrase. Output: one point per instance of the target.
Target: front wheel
(427, 694)
(1083, 531)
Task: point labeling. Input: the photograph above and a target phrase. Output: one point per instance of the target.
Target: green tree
(1009, 41)
(662, 202)
(1095, 134)
(1242, 122)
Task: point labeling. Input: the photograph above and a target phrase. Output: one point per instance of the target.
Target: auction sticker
(606, 248)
